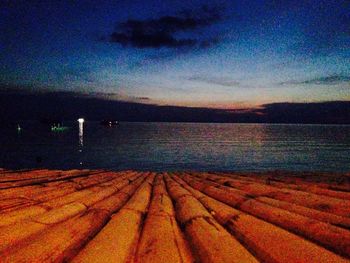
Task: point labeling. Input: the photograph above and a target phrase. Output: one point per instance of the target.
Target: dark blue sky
(196, 53)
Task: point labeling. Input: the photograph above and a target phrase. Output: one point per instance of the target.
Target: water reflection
(181, 146)
(81, 138)
(81, 133)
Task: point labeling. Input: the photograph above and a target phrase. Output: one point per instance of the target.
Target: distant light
(81, 120)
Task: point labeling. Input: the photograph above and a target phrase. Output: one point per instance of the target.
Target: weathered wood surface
(129, 216)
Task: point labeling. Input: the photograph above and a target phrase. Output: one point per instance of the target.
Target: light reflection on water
(178, 146)
(81, 134)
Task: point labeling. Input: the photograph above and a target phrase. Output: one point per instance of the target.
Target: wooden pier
(129, 216)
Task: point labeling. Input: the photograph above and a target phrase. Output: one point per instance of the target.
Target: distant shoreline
(15, 122)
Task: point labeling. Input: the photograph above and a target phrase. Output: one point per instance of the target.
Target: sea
(177, 147)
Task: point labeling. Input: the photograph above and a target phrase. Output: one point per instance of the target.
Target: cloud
(226, 82)
(161, 32)
(142, 98)
(328, 80)
(145, 40)
(114, 96)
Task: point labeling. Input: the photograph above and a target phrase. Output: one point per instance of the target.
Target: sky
(218, 53)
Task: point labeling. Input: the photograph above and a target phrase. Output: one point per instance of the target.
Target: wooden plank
(161, 239)
(37, 181)
(56, 189)
(61, 216)
(316, 188)
(91, 195)
(236, 197)
(27, 174)
(116, 201)
(331, 181)
(308, 212)
(268, 242)
(16, 216)
(118, 240)
(43, 174)
(319, 202)
(58, 242)
(87, 197)
(332, 237)
(335, 238)
(23, 230)
(209, 240)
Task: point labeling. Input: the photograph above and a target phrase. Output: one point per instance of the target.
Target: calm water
(178, 146)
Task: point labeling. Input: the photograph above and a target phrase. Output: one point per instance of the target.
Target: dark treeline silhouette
(69, 106)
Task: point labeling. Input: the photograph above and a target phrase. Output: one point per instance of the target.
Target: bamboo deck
(103, 216)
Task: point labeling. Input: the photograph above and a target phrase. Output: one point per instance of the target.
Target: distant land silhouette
(69, 106)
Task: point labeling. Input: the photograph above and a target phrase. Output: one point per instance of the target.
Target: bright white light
(81, 131)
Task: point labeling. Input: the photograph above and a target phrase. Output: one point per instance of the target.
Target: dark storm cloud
(329, 80)
(226, 82)
(161, 32)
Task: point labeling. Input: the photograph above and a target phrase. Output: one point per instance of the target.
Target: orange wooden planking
(127, 216)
